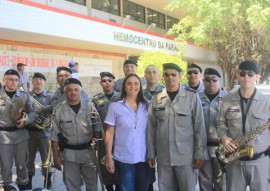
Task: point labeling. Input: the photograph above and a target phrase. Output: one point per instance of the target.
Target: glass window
(136, 11)
(80, 2)
(171, 21)
(108, 6)
(156, 17)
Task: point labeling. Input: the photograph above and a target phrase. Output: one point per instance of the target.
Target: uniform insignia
(160, 100)
(2, 102)
(100, 101)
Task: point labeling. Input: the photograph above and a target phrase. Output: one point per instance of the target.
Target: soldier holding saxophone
(74, 127)
(241, 113)
(40, 130)
(13, 135)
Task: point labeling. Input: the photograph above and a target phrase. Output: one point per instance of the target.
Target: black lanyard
(244, 114)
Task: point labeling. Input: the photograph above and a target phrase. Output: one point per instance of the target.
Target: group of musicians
(182, 132)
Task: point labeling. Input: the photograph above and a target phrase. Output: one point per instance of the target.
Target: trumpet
(42, 120)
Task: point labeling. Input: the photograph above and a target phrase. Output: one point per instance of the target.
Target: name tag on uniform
(62, 121)
(233, 110)
(159, 108)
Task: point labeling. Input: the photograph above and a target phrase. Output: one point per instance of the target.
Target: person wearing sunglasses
(194, 73)
(242, 112)
(129, 67)
(176, 134)
(102, 102)
(210, 175)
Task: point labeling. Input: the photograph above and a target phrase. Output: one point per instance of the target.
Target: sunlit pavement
(38, 179)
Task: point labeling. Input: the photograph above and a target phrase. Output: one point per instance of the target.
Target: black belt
(31, 127)
(11, 128)
(213, 143)
(255, 156)
(77, 147)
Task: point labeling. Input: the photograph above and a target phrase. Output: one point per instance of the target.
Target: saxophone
(243, 147)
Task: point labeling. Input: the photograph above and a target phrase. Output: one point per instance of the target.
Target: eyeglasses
(209, 79)
(193, 72)
(249, 73)
(104, 81)
(12, 80)
(167, 74)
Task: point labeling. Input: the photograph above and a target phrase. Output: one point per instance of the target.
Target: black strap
(244, 114)
(78, 147)
(256, 156)
(11, 128)
(213, 143)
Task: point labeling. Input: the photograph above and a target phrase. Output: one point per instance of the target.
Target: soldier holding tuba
(102, 102)
(13, 135)
(39, 131)
(240, 114)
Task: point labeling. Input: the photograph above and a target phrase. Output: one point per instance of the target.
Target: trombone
(47, 164)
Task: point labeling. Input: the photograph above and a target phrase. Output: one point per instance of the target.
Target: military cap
(20, 64)
(12, 72)
(60, 68)
(73, 81)
(212, 71)
(249, 65)
(171, 66)
(39, 75)
(192, 65)
(130, 62)
(102, 74)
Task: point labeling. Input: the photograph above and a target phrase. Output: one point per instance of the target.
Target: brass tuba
(243, 147)
(42, 120)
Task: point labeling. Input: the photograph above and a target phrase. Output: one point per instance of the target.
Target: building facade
(98, 34)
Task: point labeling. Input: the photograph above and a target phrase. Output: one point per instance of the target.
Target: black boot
(9, 188)
(49, 182)
(27, 186)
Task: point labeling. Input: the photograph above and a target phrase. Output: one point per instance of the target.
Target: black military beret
(102, 74)
(130, 62)
(39, 75)
(212, 71)
(12, 72)
(192, 65)
(73, 81)
(249, 65)
(60, 68)
(172, 66)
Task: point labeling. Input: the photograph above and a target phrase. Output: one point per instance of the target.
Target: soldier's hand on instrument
(39, 109)
(21, 123)
(228, 144)
(58, 164)
(197, 163)
(151, 163)
(110, 164)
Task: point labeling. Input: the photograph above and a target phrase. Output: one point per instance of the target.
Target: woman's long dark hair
(140, 96)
